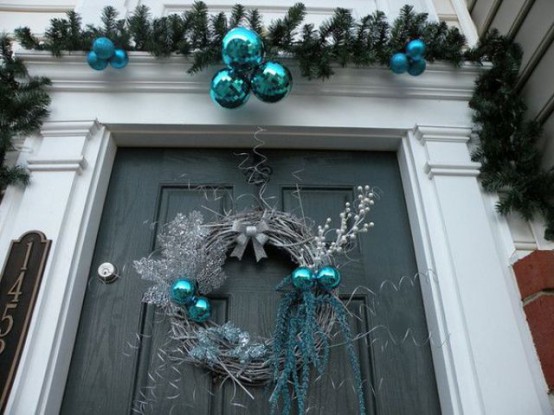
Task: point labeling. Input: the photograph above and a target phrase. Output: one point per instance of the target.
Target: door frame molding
(485, 362)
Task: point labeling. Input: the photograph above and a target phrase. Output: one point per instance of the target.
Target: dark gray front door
(119, 365)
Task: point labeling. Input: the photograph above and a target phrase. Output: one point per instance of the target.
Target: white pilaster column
(483, 366)
(69, 170)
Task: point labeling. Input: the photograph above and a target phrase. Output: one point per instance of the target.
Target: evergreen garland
(506, 148)
(23, 106)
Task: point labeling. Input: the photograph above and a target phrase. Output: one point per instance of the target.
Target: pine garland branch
(23, 107)
(507, 151)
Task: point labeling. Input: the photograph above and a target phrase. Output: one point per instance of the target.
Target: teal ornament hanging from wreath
(199, 310)
(328, 278)
(303, 278)
(243, 49)
(182, 291)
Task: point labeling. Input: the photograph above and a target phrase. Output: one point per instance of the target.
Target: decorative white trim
(146, 73)
(435, 169)
(77, 165)
(426, 133)
(466, 22)
(169, 8)
(35, 8)
(70, 128)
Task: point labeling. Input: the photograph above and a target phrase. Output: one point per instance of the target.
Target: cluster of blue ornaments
(104, 52)
(328, 278)
(412, 61)
(183, 293)
(243, 53)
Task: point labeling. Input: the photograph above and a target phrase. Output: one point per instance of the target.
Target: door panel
(120, 364)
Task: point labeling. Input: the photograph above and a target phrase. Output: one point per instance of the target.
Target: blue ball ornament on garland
(243, 49)
(182, 291)
(271, 82)
(399, 63)
(120, 59)
(229, 89)
(95, 62)
(328, 278)
(103, 47)
(199, 310)
(416, 68)
(415, 49)
(303, 278)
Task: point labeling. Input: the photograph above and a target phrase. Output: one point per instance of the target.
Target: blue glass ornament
(182, 291)
(417, 67)
(271, 82)
(95, 62)
(303, 278)
(103, 47)
(328, 278)
(199, 310)
(243, 49)
(399, 63)
(415, 49)
(229, 89)
(120, 59)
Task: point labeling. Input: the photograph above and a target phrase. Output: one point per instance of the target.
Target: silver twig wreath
(190, 262)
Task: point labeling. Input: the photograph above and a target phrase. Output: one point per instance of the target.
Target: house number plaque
(19, 286)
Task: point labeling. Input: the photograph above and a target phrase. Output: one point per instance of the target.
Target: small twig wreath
(191, 266)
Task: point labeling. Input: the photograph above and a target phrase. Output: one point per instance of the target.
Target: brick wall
(535, 277)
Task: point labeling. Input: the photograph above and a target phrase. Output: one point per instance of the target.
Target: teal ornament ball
(229, 89)
(243, 49)
(120, 59)
(417, 67)
(95, 62)
(328, 278)
(199, 310)
(182, 291)
(303, 278)
(271, 82)
(399, 63)
(103, 47)
(415, 49)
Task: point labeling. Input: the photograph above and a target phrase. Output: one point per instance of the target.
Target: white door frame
(484, 360)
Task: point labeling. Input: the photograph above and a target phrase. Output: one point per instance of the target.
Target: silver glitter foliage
(226, 341)
(183, 252)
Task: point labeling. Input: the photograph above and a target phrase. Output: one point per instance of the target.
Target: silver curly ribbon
(247, 233)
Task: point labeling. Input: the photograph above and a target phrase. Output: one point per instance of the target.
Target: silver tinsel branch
(183, 253)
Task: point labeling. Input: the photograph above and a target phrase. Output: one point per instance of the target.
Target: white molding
(169, 8)
(77, 164)
(437, 169)
(478, 300)
(35, 8)
(146, 73)
(466, 22)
